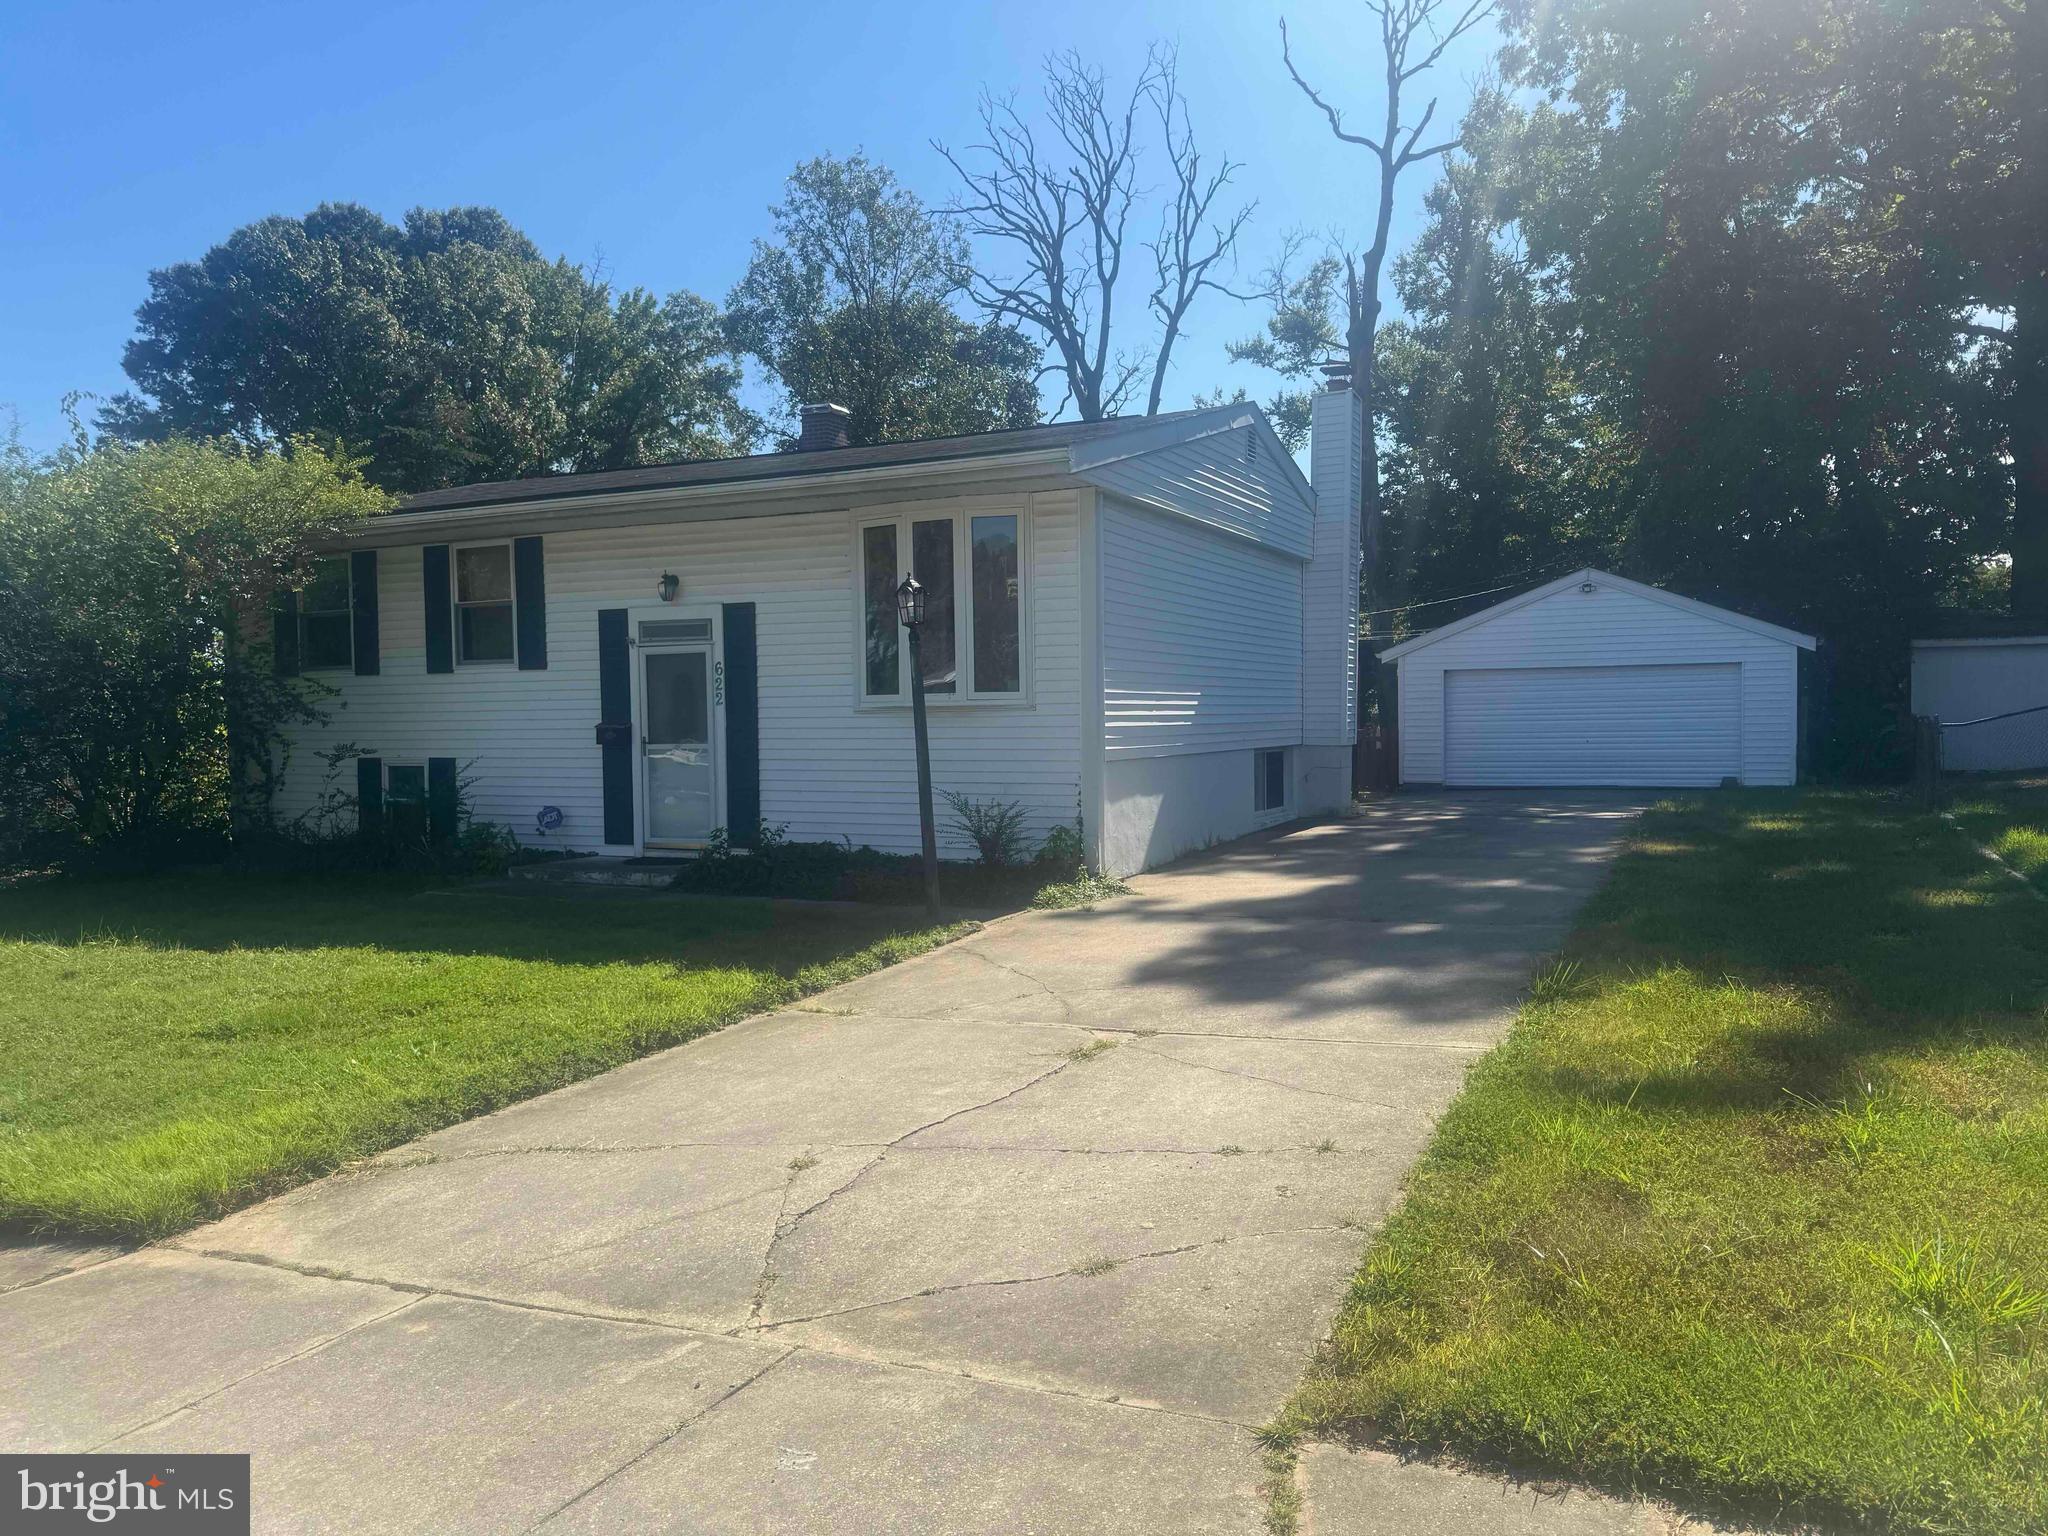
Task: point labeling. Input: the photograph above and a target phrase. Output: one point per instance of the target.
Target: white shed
(1981, 686)
(1596, 679)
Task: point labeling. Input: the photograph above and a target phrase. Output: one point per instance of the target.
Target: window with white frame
(484, 605)
(970, 565)
(1269, 779)
(326, 623)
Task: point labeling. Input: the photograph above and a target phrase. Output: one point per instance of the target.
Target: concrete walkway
(1026, 1235)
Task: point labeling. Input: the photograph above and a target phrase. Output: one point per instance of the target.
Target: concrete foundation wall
(1157, 809)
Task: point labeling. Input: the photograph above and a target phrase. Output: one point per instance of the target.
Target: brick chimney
(824, 426)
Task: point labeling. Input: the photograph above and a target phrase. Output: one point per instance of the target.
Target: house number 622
(718, 682)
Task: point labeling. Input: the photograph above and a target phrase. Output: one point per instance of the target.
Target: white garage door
(1593, 725)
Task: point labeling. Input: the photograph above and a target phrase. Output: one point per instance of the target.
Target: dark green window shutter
(362, 586)
(615, 723)
(742, 726)
(440, 608)
(284, 633)
(441, 799)
(529, 586)
(369, 795)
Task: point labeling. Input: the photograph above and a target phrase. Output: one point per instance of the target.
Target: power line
(1438, 602)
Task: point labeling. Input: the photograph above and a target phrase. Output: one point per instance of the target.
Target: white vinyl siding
(828, 767)
(1201, 638)
(1233, 481)
(1329, 687)
(1593, 725)
(1599, 632)
(1970, 679)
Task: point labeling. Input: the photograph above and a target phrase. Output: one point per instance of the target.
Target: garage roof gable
(1726, 616)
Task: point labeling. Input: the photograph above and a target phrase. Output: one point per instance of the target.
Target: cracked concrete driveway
(1026, 1235)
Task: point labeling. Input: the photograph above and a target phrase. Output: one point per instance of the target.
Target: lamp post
(910, 610)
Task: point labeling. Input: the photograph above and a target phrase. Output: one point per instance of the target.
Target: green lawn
(173, 1047)
(1753, 1204)
(2007, 815)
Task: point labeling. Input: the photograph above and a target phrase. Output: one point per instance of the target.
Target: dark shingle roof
(774, 466)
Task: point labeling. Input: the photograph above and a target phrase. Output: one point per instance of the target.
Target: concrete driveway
(1026, 1235)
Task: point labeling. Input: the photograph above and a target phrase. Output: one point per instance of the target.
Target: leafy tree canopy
(853, 303)
(126, 575)
(446, 351)
(1731, 298)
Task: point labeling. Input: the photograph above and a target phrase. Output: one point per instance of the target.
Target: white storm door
(679, 769)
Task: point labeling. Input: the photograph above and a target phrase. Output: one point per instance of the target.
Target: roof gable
(1223, 467)
(1728, 616)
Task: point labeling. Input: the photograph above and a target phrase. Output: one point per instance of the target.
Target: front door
(679, 777)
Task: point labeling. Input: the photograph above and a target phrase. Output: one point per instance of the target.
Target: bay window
(971, 568)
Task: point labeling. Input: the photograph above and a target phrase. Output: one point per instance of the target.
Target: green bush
(778, 867)
(328, 837)
(1063, 852)
(995, 827)
(135, 720)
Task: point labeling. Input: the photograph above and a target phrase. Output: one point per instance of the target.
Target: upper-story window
(326, 625)
(970, 565)
(484, 620)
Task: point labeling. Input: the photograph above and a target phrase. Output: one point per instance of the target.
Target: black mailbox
(614, 733)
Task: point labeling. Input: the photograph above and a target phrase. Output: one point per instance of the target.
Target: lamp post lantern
(910, 610)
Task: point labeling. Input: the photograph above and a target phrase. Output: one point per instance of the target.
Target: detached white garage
(1596, 679)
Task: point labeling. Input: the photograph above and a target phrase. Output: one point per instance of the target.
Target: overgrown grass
(1752, 1206)
(1084, 890)
(2009, 816)
(176, 1046)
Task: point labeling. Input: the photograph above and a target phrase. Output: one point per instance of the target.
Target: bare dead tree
(1065, 209)
(1413, 37)
(1193, 240)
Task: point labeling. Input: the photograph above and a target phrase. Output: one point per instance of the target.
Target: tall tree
(1936, 124)
(1413, 36)
(1065, 209)
(1499, 467)
(1760, 383)
(446, 351)
(853, 303)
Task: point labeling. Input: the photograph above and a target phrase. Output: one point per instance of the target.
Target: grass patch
(177, 1046)
(1752, 1206)
(2007, 815)
(1084, 890)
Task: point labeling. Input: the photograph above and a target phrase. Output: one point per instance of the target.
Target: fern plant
(995, 827)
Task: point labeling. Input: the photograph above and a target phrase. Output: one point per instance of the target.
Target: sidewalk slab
(1371, 1493)
(456, 1417)
(820, 1444)
(29, 1262)
(107, 1350)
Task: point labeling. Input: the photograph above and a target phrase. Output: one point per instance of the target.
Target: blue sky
(652, 137)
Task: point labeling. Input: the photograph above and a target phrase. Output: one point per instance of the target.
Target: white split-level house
(1143, 625)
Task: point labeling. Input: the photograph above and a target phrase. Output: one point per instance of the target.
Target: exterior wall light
(671, 584)
(910, 604)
